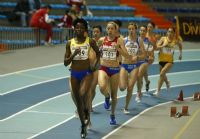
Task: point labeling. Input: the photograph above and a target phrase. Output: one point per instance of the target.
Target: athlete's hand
(77, 51)
(165, 43)
(134, 59)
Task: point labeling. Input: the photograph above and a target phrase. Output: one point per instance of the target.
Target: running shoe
(156, 93)
(138, 99)
(83, 131)
(107, 103)
(147, 85)
(112, 120)
(89, 125)
(125, 111)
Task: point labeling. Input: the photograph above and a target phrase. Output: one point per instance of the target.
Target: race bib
(132, 48)
(83, 55)
(131, 51)
(168, 50)
(109, 55)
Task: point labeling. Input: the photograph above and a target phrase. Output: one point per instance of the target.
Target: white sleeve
(47, 20)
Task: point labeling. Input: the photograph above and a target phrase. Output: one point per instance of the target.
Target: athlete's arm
(180, 49)
(143, 54)
(121, 48)
(161, 43)
(100, 42)
(96, 49)
(68, 56)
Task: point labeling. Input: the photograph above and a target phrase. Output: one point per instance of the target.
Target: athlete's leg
(84, 91)
(147, 81)
(75, 85)
(114, 83)
(163, 72)
(131, 82)
(103, 81)
(142, 70)
(123, 79)
(92, 89)
(104, 85)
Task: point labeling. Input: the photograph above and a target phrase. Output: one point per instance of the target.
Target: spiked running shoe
(107, 103)
(112, 120)
(147, 86)
(83, 131)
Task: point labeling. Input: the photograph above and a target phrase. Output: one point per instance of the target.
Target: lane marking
(46, 112)
(33, 76)
(46, 130)
(135, 117)
(38, 83)
(58, 64)
(40, 103)
(50, 128)
(12, 91)
(42, 67)
(182, 130)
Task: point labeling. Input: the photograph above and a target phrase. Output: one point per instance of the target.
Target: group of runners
(115, 62)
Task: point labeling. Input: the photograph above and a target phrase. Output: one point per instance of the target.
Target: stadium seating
(171, 8)
(103, 11)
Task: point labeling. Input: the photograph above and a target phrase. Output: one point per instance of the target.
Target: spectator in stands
(66, 20)
(40, 19)
(79, 7)
(85, 10)
(77, 3)
(74, 12)
(35, 5)
(23, 11)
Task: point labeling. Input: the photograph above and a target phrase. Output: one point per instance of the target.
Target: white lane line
(58, 64)
(11, 91)
(102, 102)
(52, 113)
(133, 118)
(43, 67)
(40, 103)
(51, 128)
(66, 120)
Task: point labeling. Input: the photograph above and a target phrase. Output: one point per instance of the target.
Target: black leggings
(162, 64)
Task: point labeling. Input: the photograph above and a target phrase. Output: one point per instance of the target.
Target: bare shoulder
(68, 43)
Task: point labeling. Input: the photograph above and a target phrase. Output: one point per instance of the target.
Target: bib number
(167, 50)
(109, 55)
(83, 55)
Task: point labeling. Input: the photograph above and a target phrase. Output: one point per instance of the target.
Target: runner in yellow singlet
(166, 47)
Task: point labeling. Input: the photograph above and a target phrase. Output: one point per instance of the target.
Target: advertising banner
(189, 28)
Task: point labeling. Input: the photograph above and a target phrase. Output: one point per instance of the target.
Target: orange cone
(180, 97)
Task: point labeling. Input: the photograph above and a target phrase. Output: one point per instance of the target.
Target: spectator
(40, 19)
(79, 7)
(78, 3)
(85, 10)
(74, 12)
(23, 11)
(66, 20)
(35, 5)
